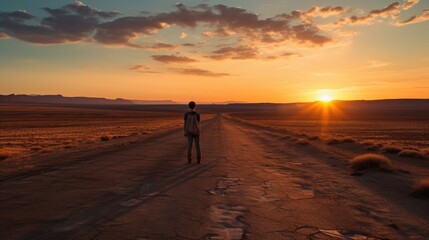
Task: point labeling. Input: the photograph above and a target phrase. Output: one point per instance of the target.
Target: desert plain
(302, 171)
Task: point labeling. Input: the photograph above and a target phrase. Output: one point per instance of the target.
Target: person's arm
(184, 124)
(198, 117)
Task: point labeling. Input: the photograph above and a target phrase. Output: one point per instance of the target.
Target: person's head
(191, 105)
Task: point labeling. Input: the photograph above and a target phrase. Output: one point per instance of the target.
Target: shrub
(366, 142)
(421, 189)
(3, 156)
(302, 141)
(104, 138)
(348, 139)
(411, 154)
(374, 147)
(391, 149)
(313, 137)
(371, 161)
(332, 141)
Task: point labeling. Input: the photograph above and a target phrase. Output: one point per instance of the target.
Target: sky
(216, 51)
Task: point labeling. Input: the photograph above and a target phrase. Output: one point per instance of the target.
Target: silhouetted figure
(192, 131)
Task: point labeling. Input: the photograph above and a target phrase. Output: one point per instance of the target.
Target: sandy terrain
(254, 183)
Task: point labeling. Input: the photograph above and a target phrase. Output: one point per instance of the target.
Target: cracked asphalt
(252, 184)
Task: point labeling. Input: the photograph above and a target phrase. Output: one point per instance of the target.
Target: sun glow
(325, 98)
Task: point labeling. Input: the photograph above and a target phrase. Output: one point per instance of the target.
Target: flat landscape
(256, 181)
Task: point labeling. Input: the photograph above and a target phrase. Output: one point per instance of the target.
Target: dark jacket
(186, 117)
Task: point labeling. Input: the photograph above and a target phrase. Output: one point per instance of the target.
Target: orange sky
(276, 51)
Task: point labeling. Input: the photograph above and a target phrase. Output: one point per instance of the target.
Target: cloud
(392, 10)
(200, 72)
(74, 22)
(377, 63)
(240, 52)
(424, 16)
(173, 59)
(163, 46)
(189, 45)
(78, 22)
(143, 69)
(409, 4)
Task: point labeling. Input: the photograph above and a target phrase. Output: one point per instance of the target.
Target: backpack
(192, 125)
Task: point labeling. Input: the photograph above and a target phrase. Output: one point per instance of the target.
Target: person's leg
(190, 137)
(197, 146)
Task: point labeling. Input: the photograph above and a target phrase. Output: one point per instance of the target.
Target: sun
(325, 98)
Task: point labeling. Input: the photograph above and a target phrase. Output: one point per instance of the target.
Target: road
(252, 184)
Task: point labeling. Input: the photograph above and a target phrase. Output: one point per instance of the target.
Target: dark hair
(191, 104)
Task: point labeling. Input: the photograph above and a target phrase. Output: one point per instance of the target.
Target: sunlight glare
(325, 98)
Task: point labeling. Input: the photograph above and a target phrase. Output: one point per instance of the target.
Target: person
(192, 131)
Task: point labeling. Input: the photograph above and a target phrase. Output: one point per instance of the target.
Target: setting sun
(325, 98)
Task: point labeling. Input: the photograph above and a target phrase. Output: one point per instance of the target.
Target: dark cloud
(200, 72)
(240, 52)
(72, 23)
(86, 11)
(173, 59)
(79, 22)
(143, 69)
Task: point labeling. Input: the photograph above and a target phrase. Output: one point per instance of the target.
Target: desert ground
(259, 179)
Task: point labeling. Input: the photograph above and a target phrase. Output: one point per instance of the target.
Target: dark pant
(195, 138)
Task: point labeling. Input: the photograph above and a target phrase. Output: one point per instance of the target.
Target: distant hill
(59, 99)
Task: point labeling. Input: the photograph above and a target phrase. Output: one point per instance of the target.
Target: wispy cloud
(200, 72)
(424, 16)
(409, 4)
(173, 59)
(143, 69)
(240, 52)
(377, 63)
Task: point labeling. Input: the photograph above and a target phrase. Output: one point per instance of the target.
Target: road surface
(252, 184)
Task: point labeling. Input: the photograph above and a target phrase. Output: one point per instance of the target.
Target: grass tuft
(105, 138)
(332, 141)
(391, 149)
(412, 154)
(313, 137)
(421, 189)
(371, 161)
(348, 139)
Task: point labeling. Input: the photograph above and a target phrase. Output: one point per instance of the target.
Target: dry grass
(421, 189)
(390, 149)
(31, 130)
(3, 156)
(302, 141)
(412, 154)
(371, 161)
